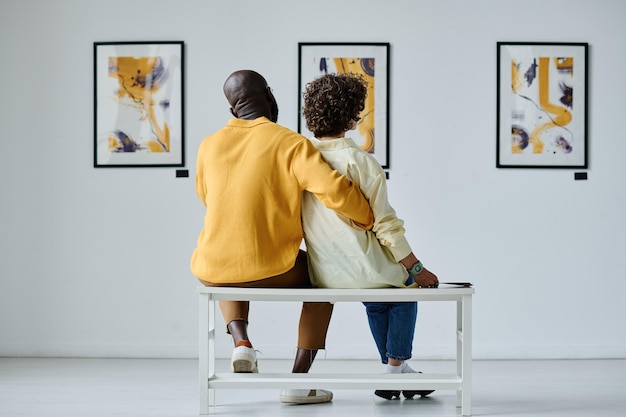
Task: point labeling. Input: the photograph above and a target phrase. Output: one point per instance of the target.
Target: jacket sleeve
(388, 228)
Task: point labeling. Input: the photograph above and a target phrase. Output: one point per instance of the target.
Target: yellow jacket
(251, 175)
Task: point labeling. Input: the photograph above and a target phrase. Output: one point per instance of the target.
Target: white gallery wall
(95, 262)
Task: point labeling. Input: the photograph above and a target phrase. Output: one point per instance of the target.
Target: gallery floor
(49, 387)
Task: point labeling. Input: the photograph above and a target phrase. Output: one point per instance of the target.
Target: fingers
(427, 284)
(432, 281)
(428, 280)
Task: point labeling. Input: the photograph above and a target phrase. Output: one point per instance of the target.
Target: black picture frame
(139, 104)
(542, 105)
(372, 60)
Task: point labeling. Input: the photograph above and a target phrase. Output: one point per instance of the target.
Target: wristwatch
(416, 268)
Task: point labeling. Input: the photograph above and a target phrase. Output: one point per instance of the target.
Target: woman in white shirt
(342, 255)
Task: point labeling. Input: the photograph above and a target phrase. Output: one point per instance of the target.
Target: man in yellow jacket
(250, 175)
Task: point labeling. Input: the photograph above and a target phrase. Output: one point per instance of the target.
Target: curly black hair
(332, 102)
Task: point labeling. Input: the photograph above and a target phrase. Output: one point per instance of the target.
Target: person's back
(251, 175)
(252, 191)
(340, 255)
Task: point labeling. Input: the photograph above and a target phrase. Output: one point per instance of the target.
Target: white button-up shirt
(342, 255)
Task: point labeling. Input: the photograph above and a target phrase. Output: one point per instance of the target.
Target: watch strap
(416, 268)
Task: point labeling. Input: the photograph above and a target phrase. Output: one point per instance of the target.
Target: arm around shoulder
(334, 190)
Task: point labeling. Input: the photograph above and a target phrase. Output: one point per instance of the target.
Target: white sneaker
(244, 360)
(406, 369)
(305, 396)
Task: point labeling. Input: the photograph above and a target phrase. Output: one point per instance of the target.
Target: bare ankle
(304, 360)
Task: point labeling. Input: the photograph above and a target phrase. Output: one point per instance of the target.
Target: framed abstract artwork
(542, 105)
(371, 60)
(139, 104)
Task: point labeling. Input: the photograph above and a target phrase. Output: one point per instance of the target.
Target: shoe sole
(410, 394)
(306, 400)
(243, 366)
(387, 394)
(390, 395)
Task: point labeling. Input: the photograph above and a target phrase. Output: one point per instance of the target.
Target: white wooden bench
(461, 381)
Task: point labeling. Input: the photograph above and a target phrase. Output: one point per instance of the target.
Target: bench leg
(211, 365)
(206, 352)
(464, 354)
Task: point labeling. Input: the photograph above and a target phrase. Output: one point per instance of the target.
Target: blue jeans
(393, 327)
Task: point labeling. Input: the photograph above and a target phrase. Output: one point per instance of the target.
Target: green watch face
(416, 269)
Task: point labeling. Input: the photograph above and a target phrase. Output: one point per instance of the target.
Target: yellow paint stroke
(127, 70)
(366, 125)
(562, 116)
(113, 142)
(517, 80)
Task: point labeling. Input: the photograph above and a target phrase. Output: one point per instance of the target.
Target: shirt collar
(234, 122)
(338, 143)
